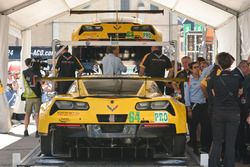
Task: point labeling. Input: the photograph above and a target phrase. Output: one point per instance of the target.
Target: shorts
(34, 103)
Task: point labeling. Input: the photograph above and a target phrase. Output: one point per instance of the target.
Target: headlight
(71, 105)
(159, 105)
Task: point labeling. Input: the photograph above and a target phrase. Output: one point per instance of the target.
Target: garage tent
(229, 18)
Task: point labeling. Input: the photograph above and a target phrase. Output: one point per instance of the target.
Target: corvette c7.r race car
(112, 113)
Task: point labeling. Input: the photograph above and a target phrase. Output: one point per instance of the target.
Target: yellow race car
(117, 113)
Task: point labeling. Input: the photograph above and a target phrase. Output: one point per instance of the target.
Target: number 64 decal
(134, 116)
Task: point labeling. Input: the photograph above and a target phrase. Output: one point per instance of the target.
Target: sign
(14, 52)
(42, 52)
(198, 27)
(186, 28)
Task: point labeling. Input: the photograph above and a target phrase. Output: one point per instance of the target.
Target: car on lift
(118, 112)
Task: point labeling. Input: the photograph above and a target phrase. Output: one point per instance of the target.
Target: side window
(153, 89)
(73, 88)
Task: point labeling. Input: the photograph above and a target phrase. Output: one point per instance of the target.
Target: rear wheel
(45, 142)
(179, 145)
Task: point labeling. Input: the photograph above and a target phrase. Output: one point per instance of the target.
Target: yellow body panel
(116, 28)
(99, 106)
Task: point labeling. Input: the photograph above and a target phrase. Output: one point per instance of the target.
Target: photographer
(32, 92)
(66, 66)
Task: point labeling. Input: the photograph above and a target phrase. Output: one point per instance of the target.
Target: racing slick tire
(45, 142)
(179, 145)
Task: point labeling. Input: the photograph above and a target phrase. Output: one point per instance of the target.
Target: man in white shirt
(112, 64)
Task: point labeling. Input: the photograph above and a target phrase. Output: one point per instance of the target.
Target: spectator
(244, 129)
(185, 61)
(203, 65)
(242, 70)
(66, 66)
(225, 90)
(197, 109)
(112, 64)
(155, 64)
(32, 93)
(169, 86)
(200, 59)
(11, 94)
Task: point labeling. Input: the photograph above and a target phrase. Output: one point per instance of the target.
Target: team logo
(117, 27)
(112, 108)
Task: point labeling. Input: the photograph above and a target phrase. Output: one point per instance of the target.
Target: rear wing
(143, 92)
(61, 79)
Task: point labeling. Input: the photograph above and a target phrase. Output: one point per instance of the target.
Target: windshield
(111, 87)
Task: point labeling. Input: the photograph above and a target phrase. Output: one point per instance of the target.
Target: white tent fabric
(244, 23)
(226, 36)
(197, 10)
(4, 108)
(40, 11)
(238, 5)
(43, 10)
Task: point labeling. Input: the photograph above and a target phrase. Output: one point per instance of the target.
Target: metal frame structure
(110, 43)
(18, 7)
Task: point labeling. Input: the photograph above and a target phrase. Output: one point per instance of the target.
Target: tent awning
(28, 13)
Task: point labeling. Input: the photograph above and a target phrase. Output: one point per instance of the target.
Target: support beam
(116, 11)
(221, 7)
(5, 124)
(19, 7)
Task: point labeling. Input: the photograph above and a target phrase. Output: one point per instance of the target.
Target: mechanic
(66, 66)
(155, 64)
(111, 63)
(225, 89)
(32, 93)
(197, 109)
(185, 73)
(242, 70)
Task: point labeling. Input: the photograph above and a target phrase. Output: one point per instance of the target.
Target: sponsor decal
(68, 113)
(134, 116)
(147, 35)
(64, 120)
(161, 117)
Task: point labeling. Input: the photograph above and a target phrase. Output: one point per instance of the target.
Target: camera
(38, 64)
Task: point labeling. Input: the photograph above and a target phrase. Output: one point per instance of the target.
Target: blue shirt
(206, 71)
(112, 65)
(193, 92)
(11, 97)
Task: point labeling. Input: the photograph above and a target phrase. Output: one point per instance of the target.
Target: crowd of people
(217, 99)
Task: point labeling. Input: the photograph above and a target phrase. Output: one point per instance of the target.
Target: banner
(14, 52)
(41, 52)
